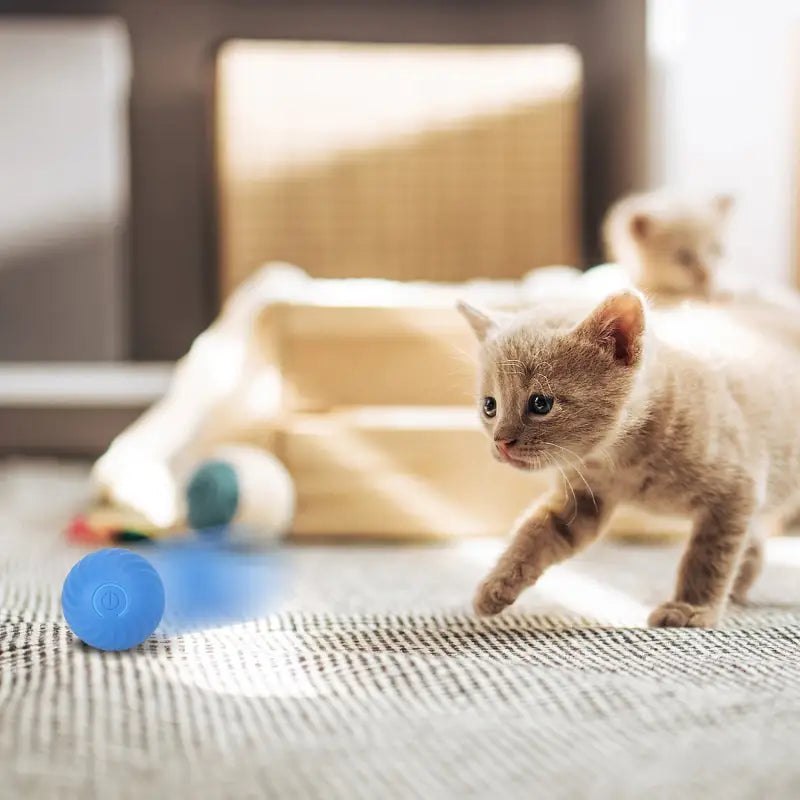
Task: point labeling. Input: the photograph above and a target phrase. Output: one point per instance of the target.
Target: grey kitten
(683, 410)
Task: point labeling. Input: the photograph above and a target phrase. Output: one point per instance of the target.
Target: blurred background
(153, 155)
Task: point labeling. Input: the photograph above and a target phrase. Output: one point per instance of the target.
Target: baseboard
(73, 409)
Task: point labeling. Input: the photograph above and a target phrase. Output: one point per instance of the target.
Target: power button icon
(110, 600)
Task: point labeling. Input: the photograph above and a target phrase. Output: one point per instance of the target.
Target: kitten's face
(679, 258)
(552, 394)
(677, 249)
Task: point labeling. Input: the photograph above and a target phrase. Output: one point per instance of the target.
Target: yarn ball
(212, 496)
(242, 493)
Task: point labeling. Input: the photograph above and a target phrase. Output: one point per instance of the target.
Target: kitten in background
(679, 410)
(670, 246)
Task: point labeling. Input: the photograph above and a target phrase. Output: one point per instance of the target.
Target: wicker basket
(404, 162)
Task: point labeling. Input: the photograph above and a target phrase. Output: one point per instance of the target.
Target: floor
(361, 672)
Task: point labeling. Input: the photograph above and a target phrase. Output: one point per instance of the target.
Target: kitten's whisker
(572, 492)
(574, 467)
(550, 463)
(543, 456)
(549, 459)
(566, 450)
(611, 463)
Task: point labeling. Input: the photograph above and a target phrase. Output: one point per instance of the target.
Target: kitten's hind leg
(552, 531)
(749, 569)
(752, 562)
(710, 564)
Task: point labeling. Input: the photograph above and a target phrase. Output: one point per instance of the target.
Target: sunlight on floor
(571, 591)
(283, 671)
(783, 551)
(589, 598)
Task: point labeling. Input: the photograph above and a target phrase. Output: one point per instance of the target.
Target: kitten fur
(681, 410)
(671, 246)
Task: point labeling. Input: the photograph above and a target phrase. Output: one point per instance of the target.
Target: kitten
(671, 247)
(683, 410)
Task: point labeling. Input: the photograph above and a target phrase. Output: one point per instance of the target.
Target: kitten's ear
(617, 325)
(723, 203)
(480, 322)
(640, 225)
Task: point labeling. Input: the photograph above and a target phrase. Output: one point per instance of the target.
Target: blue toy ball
(113, 599)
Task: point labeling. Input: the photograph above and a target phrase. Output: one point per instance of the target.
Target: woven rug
(371, 679)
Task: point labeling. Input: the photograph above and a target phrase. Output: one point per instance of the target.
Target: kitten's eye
(685, 257)
(539, 404)
(489, 406)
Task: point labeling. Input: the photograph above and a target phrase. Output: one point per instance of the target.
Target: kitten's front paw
(675, 614)
(493, 595)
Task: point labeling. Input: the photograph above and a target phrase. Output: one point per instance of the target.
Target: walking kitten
(679, 410)
(671, 247)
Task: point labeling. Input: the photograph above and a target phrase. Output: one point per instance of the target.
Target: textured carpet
(370, 678)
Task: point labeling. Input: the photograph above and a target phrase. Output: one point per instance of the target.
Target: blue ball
(113, 599)
(212, 496)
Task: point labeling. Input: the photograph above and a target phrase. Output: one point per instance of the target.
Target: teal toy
(212, 496)
(241, 488)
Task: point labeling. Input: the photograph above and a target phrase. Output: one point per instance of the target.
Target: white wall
(723, 117)
(63, 188)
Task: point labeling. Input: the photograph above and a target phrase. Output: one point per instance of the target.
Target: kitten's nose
(505, 444)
